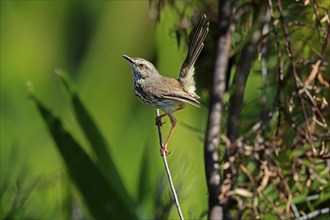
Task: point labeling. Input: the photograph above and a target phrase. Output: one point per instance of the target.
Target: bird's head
(141, 67)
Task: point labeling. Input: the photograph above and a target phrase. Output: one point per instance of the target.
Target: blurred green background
(88, 40)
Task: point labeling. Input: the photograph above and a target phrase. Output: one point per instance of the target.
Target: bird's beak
(128, 58)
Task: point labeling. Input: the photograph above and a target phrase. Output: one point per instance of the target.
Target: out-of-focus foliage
(282, 160)
(288, 143)
(88, 39)
(99, 182)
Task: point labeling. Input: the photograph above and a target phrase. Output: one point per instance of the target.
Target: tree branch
(247, 56)
(212, 141)
(239, 82)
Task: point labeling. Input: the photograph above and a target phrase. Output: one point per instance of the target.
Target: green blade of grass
(102, 199)
(97, 141)
(144, 176)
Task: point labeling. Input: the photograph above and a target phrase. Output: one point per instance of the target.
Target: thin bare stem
(176, 200)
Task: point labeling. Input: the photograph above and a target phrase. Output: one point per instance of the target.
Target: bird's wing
(188, 100)
(172, 89)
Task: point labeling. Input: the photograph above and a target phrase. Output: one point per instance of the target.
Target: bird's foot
(158, 120)
(164, 151)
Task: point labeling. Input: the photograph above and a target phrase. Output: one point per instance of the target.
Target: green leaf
(97, 141)
(144, 177)
(103, 200)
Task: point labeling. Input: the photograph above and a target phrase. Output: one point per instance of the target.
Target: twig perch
(176, 200)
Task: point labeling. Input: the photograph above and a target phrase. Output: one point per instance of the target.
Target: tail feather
(196, 45)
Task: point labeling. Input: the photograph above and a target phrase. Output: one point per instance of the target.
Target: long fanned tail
(187, 71)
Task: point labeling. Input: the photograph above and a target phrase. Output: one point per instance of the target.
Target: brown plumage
(169, 94)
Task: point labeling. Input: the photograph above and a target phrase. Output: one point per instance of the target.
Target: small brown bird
(169, 94)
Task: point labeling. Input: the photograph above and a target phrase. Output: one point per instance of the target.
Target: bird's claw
(164, 151)
(159, 122)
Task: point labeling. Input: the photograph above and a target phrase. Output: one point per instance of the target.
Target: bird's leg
(158, 120)
(173, 122)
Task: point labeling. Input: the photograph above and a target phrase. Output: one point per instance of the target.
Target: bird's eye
(142, 65)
